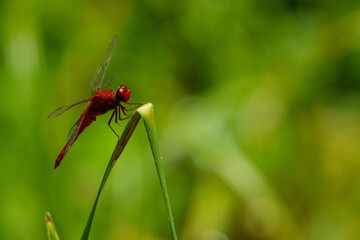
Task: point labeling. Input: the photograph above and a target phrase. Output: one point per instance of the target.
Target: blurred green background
(257, 106)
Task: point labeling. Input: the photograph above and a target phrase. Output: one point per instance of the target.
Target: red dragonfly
(101, 101)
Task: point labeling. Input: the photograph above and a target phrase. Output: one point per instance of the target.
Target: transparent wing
(97, 79)
(113, 76)
(74, 132)
(61, 110)
(73, 129)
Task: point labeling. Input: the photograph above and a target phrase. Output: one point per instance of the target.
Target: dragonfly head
(123, 93)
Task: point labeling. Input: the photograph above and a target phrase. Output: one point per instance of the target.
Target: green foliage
(257, 109)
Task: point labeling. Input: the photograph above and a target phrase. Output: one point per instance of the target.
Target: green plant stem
(147, 113)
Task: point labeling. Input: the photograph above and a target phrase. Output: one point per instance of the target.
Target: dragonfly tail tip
(57, 163)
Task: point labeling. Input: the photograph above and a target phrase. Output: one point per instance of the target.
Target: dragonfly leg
(123, 109)
(124, 113)
(112, 115)
(116, 118)
(130, 108)
(130, 103)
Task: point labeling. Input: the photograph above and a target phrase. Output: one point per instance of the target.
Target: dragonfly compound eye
(127, 95)
(123, 93)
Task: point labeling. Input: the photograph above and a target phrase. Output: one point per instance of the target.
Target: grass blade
(51, 230)
(125, 136)
(147, 113)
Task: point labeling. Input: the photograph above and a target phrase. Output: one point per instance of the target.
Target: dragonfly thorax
(123, 93)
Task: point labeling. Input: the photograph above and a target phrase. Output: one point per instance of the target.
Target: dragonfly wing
(73, 133)
(61, 110)
(97, 79)
(108, 82)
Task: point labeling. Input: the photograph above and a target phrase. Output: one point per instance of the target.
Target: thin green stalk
(50, 227)
(147, 113)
